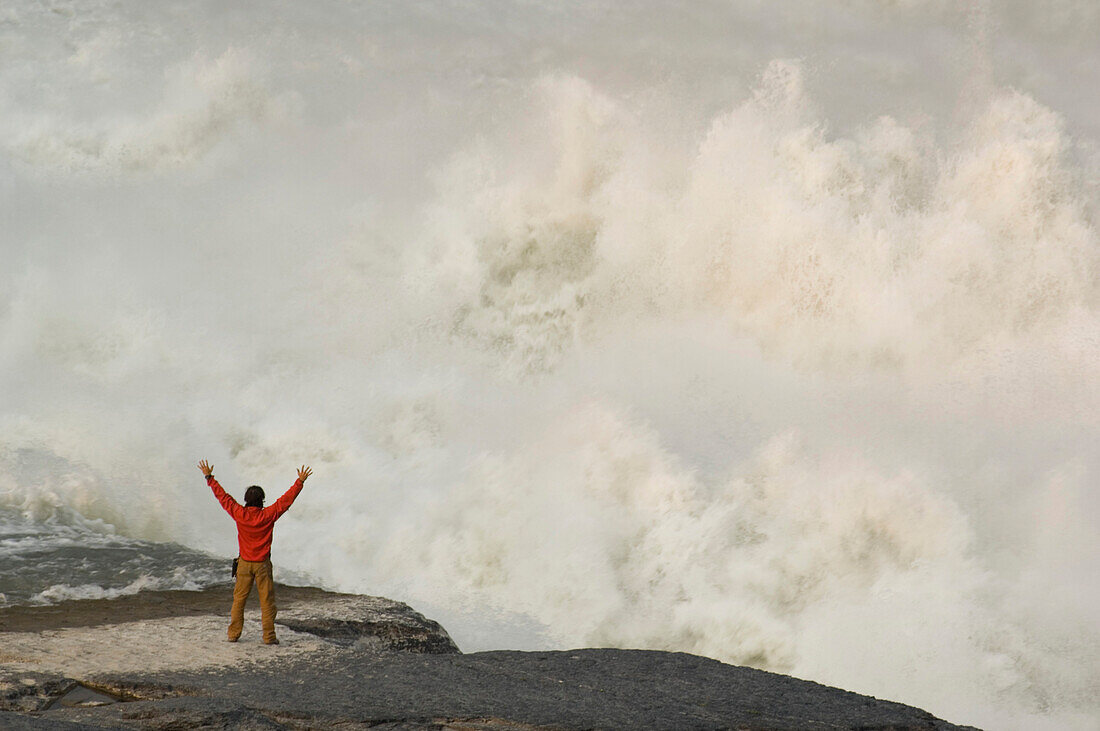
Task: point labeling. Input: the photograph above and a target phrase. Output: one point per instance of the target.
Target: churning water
(764, 331)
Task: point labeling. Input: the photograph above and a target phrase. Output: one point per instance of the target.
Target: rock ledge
(159, 660)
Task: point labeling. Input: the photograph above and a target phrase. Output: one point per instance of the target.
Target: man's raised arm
(231, 506)
(283, 504)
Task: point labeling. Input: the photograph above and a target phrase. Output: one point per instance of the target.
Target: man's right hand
(304, 472)
(207, 470)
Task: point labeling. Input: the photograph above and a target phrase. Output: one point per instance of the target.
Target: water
(766, 332)
(45, 562)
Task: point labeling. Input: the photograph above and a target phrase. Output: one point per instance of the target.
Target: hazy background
(764, 331)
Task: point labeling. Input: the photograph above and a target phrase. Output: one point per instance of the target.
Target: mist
(768, 333)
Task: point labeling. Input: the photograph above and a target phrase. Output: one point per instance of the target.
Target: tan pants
(247, 573)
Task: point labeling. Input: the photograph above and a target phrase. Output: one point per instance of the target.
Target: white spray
(709, 333)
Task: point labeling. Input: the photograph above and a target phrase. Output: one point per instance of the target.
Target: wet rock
(10, 721)
(79, 695)
(355, 662)
(30, 690)
(580, 689)
(376, 621)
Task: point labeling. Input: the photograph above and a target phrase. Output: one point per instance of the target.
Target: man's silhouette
(255, 525)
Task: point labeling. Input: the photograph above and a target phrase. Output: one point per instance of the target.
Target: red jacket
(254, 525)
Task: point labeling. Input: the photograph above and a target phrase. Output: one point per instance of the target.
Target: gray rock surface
(383, 666)
(334, 616)
(369, 619)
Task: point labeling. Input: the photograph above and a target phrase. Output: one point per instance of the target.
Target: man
(255, 525)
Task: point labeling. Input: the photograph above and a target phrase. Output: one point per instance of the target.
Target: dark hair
(254, 496)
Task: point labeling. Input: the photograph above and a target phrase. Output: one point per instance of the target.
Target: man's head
(254, 497)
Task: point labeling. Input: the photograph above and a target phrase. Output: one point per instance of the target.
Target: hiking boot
(271, 642)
